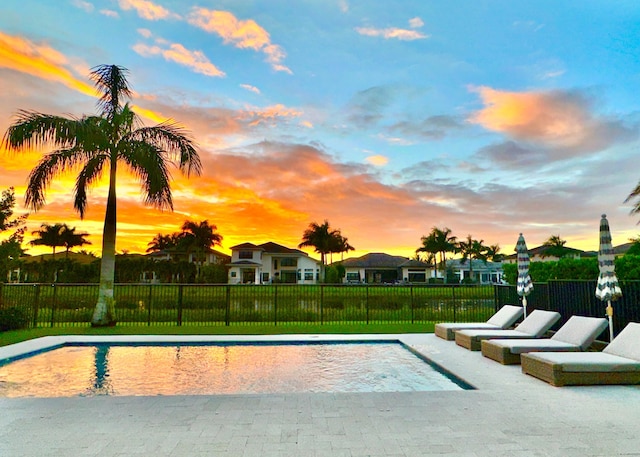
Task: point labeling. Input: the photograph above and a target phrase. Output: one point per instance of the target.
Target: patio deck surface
(510, 414)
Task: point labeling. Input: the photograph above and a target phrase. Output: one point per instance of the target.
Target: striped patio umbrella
(524, 286)
(607, 289)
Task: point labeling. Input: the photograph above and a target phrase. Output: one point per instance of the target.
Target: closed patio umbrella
(607, 289)
(524, 285)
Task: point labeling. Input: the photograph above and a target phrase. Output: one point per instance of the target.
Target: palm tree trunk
(104, 313)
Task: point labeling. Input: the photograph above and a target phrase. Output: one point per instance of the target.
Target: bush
(13, 319)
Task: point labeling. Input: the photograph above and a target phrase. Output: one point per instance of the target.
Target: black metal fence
(139, 304)
(577, 298)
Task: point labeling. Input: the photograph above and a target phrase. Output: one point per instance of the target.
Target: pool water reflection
(220, 369)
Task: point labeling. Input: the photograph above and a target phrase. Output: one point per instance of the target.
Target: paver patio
(510, 414)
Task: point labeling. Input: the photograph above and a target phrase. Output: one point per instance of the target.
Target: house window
(289, 262)
(308, 274)
(265, 277)
(233, 274)
(353, 277)
(245, 255)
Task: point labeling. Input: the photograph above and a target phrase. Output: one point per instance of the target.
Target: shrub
(13, 319)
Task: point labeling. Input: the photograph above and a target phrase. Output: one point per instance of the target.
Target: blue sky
(386, 118)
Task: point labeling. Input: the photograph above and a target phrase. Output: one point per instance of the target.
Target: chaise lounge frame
(504, 318)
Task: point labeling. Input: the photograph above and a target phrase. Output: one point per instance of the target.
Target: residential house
(272, 263)
(539, 254)
(209, 257)
(483, 272)
(378, 267)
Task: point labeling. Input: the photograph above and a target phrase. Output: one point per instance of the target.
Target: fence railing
(577, 298)
(178, 304)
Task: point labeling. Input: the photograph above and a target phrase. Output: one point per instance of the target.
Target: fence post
(36, 305)
(227, 310)
(453, 297)
(367, 302)
(411, 302)
(321, 304)
(275, 304)
(149, 305)
(180, 291)
(53, 304)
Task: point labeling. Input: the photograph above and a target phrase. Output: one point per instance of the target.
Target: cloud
(177, 53)
(40, 60)
(396, 33)
(556, 124)
(432, 128)
(377, 160)
(243, 34)
(109, 13)
(250, 88)
(83, 5)
(147, 10)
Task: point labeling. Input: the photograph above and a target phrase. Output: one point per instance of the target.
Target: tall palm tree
(95, 145)
(199, 237)
(439, 241)
(472, 249)
(71, 239)
(49, 235)
(339, 244)
(320, 237)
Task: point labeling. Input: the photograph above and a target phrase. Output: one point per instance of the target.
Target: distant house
(271, 263)
(209, 257)
(376, 268)
(539, 254)
(483, 272)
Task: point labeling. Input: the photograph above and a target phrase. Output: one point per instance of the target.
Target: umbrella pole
(610, 315)
(524, 305)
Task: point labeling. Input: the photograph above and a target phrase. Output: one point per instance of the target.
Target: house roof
(540, 250)
(382, 260)
(269, 247)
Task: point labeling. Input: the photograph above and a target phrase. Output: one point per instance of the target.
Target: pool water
(221, 369)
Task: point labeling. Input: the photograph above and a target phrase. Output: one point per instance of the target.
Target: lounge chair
(577, 334)
(534, 326)
(504, 318)
(618, 363)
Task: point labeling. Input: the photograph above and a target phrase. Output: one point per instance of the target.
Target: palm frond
(32, 129)
(176, 142)
(148, 164)
(91, 172)
(48, 167)
(112, 85)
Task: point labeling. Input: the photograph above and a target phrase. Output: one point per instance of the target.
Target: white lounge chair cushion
(506, 316)
(538, 322)
(627, 343)
(592, 362)
(497, 333)
(522, 346)
(467, 326)
(580, 331)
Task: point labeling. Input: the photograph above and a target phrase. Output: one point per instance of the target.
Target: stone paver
(509, 414)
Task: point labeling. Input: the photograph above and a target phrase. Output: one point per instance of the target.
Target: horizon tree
(198, 237)
(95, 145)
(439, 241)
(71, 239)
(319, 237)
(50, 236)
(472, 249)
(555, 247)
(161, 242)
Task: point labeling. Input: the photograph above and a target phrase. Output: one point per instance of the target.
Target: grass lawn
(16, 336)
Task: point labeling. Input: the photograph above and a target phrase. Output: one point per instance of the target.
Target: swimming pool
(222, 368)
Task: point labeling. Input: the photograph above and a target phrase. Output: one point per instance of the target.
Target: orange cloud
(548, 117)
(243, 34)
(175, 52)
(377, 160)
(147, 10)
(396, 33)
(40, 60)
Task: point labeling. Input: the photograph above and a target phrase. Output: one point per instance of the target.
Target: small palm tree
(320, 237)
(199, 237)
(472, 249)
(555, 246)
(493, 253)
(439, 241)
(71, 239)
(49, 235)
(162, 242)
(96, 145)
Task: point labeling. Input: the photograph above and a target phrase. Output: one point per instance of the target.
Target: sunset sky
(385, 118)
